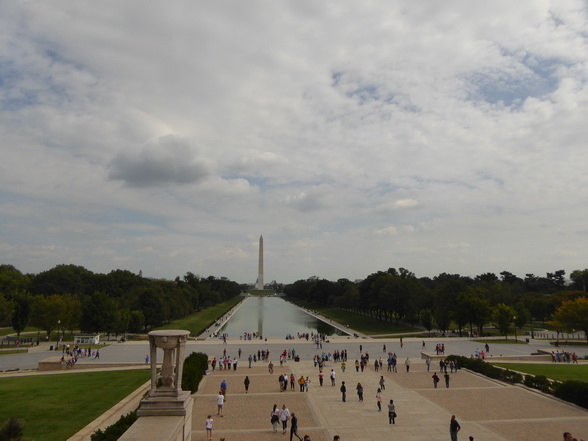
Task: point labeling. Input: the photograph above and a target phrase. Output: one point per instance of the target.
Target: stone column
(168, 398)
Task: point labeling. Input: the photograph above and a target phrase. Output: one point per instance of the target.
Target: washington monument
(260, 284)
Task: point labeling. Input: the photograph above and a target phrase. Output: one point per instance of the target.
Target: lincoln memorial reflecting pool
(274, 317)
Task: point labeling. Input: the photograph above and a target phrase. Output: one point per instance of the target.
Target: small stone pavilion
(166, 412)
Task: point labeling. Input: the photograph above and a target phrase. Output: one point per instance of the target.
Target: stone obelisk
(260, 284)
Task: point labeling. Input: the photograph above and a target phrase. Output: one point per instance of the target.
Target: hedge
(573, 391)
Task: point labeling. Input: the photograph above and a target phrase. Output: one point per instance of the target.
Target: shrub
(195, 366)
(114, 432)
(12, 429)
(573, 391)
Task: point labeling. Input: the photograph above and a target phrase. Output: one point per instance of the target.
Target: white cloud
(354, 137)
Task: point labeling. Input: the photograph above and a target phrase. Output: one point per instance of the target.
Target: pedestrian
(343, 390)
(391, 412)
(382, 383)
(284, 417)
(292, 381)
(246, 383)
(294, 427)
(275, 417)
(379, 399)
(250, 359)
(359, 391)
(223, 388)
(446, 380)
(407, 364)
(454, 427)
(209, 422)
(220, 402)
(301, 382)
(435, 378)
(428, 363)
(321, 377)
(147, 359)
(307, 383)
(333, 378)
(336, 438)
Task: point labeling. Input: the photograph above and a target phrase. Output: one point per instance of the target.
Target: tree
(12, 430)
(503, 317)
(572, 315)
(7, 308)
(522, 315)
(99, 313)
(45, 312)
(136, 321)
(427, 320)
(580, 279)
(22, 311)
(72, 313)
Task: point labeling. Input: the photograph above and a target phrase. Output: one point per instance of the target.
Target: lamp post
(57, 339)
(515, 323)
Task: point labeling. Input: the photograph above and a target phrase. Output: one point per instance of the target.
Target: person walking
(359, 391)
(407, 364)
(382, 383)
(284, 417)
(246, 383)
(220, 402)
(294, 427)
(343, 390)
(321, 377)
(301, 382)
(223, 388)
(379, 399)
(428, 362)
(435, 378)
(391, 412)
(333, 375)
(307, 383)
(454, 428)
(447, 380)
(275, 417)
(208, 424)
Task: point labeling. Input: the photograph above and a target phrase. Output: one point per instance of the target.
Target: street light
(57, 339)
(515, 323)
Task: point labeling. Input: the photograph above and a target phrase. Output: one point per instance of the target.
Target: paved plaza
(486, 409)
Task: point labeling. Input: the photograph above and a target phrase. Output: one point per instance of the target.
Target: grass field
(363, 324)
(197, 322)
(55, 407)
(560, 372)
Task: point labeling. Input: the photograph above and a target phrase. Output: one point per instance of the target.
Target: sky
(166, 137)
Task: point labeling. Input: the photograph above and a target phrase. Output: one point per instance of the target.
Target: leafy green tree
(427, 320)
(503, 317)
(99, 313)
(63, 279)
(72, 313)
(12, 430)
(7, 308)
(136, 321)
(45, 312)
(22, 311)
(522, 315)
(572, 315)
(580, 279)
(12, 280)
(152, 305)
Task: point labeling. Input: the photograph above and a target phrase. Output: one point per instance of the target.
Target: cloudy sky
(355, 136)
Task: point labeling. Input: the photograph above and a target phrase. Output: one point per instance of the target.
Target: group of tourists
(564, 356)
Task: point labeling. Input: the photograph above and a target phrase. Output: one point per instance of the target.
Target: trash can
(51, 347)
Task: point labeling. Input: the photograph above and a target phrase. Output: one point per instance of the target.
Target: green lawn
(29, 330)
(560, 372)
(55, 407)
(363, 324)
(196, 323)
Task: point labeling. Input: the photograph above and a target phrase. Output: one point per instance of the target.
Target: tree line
(452, 300)
(70, 297)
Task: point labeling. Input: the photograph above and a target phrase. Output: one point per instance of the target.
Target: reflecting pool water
(274, 317)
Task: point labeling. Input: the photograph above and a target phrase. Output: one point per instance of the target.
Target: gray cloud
(169, 161)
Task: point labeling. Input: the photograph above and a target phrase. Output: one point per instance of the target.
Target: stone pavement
(486, 409)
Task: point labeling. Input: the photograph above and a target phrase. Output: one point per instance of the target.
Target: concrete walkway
(486, 409)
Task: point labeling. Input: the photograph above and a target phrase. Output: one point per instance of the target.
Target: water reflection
(274, 317)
